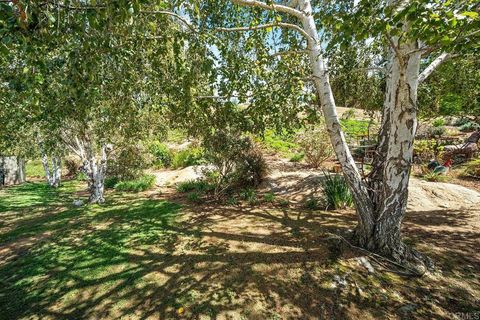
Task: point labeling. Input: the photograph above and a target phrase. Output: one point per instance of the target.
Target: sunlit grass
(57, 252)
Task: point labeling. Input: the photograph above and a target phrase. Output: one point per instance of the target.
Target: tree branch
(266, 26)
(435, 63)
(173, 14)
(271, 7)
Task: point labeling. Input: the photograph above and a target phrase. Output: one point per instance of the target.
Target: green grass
(355, 128)
(282, 143)
(145, 182)
(34, 168)
(67, 258)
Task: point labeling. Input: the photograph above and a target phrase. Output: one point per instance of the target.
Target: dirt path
(296, 182)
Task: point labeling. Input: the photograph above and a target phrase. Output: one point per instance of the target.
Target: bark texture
(93, 166)
(53, 168)
(381, 200)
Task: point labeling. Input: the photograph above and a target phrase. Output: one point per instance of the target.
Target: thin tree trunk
(322, 85)
(95, 172)
(52, 175)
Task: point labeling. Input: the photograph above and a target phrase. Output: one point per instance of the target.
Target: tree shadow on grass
(139, 258)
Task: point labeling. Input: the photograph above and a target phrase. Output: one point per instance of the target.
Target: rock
(339, 281)
(364, 262)
(78, 203)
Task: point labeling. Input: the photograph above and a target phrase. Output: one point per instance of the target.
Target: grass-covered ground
(145, 256)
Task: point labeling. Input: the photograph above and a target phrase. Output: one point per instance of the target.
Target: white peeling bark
(322, 85)
(435, 63)
(53, 174)
(95, 171)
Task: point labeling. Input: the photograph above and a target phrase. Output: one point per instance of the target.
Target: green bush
(297, 157)
(199, 185)
(110, 182)
(469, 126)
(188, 157)
(194, 197)
(34, 168)
(251, 168)
(460, 122)
(269, 197)
(162, 156)
(250, 195)
(436, 132)
(472, 169)
(312, 203)
(237, 162)
(355, 129)
(128, 162)
(144, 182)
(439, 122)
(81, 176)
(336, 192)
(425, 150)
(451, 104)
(435, 177)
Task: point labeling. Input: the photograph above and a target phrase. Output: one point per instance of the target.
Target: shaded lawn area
(143, 256)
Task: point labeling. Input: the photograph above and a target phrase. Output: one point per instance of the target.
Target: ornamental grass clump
(337, 194)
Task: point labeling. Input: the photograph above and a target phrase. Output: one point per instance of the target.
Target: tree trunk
(95, 171)
(324, 91)
(389, 179)
(54, 174)
(382, 200)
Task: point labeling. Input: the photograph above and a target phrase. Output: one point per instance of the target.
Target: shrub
(297, 157)
(237, 162)
(336, 191)
(128, 162)
(81, 176)
(315, 145)
(460, 122)
(451, 104)
(72, 165)
(162, 156)
(426, 150)
(435, 177)
(193, 197)
(283, 203)
(436, 132)
(232, 201)
(251, 168)
(472, 169)
(250, 195)
(312, 203)
(142, 183)
(355, 129)
(187, 157)
(110, 182)
(349, 114)
(439, 122)
(194, 185)
(469, 126)
(269, 197)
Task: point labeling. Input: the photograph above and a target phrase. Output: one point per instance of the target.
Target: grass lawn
(143, 256)
(54, 255)
(34, 168)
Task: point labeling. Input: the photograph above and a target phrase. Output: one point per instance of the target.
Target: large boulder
(12, 170)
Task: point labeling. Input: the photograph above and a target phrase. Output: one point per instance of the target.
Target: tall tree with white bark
(406, 29)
